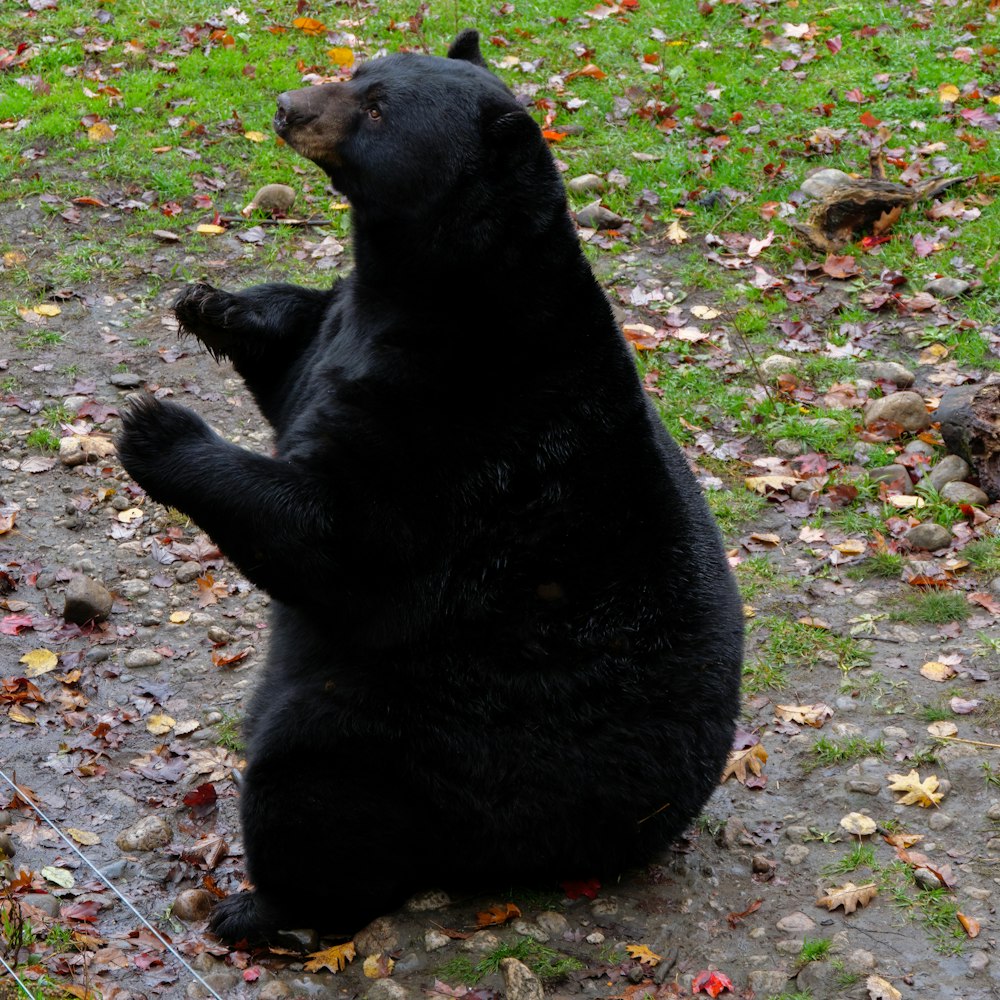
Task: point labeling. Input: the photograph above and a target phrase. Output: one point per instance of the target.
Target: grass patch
(228, 734)
(829, 752)
(814, 949)
(762, 676)
(860, 856)
(734, 508)
(548, 964)
(936, 607)
(792, 642)
(984, 555)
(880, 565)
(43, 439)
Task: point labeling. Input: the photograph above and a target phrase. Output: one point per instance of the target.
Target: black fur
(506, 643)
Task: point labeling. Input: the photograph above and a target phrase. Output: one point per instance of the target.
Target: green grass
(828, 752)
(814, 949)
(880, 565)
(984, 555)
(548, 964)
(936, 607)
(734, 508)
(43, 439)
(792, 642)
(860, 856)
(228, 734)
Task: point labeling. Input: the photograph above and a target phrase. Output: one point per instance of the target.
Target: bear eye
(374, 114)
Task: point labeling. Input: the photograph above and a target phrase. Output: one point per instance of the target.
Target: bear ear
(511, 135)
(466, 48)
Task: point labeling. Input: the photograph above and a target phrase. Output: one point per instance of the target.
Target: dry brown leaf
(643, 955)
(334, 959)
(804, 715)
(675, 233)
(882, 989)
(762, 484)
(849, 896)
(970, 924)
(943, 728)
(499, 913)
(902, 840)
(751, 759)
(916, 792)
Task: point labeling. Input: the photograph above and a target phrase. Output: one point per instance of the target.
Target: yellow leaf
(130, 516)
(675, 233)
(765, 538)
(39, 661)
(935, 671)
(643, 955)
(859, 824)
(58, 876)
(942, 729)
(84, 837)
(903, 502)
(186, 726)
(17, 715)
(179, 617)
(210, 230)
(100, 132)
(849, 896)
(948, 93)
(255, 136)
(751, 759)
(881, 989)
(761, 484)
(309, 25)
(159, 725)
(804, 715)
(46, 309)
(916, 792)
(852, 547)
(970, 924)
(334, 959)
(704, 312)
(814, 623)
(378, 966)
(341, 56)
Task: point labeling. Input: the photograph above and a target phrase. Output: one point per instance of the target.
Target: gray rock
(929, 536)
(387, 989)
(527, 929)
(919, 447)
(304, 939)
(994, 811)
(796, 923)
(796, 854)
(926, 879)
(192, 905)
(585, 182)
(818, 979)
(964, 493)
(823, 182)
(788, 946)
(979, 961)
(555, 923)
(768, 982)
(6, 818)
(797, 834)
(435, 899)
(274, 990)
(947, 288)
(596, 216)
(968, 418)
(188, 572)
(805, 489)
(87, 600)
(481, 942)
(788, 447)
(433, 940)
(45, 902)
(126, 380)
(149, 833)
(138, 659)
(218, 634)
(940, 821)
(131, 589)
(888, 371)
(604, 907)
(890, 474)
(380, 937)
(951, 469)
(410, 962)
(778, 364)
(860, 960)
(519, 981)
(905, 408)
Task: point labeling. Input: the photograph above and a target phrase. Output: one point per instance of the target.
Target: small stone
(481, 942)
(606, 907)
(433, 940)
(734, 833)
(213, 717)
(380, 936)
(768, 982)
(596, 216)
(762, 865)
(274, 990)
(926, 879)
(555, 923)
(979, 961)
(126, 380)
(807, 488)
(789, 946)
(387, 989)
(919, 447)
(188, 572)
(964, 493)
(435, 899)
(527, 929)
(7, 848)
(929, 537)
(595, 938)
(149, 833)
(131, 589)
(797, 834)
(410, 962)
(192, 905)
(87, 600)
(219, 635)
(821, 183)
(138, 659)
(940, 821)
(994, 811)
(585, 182)
(778, 364)
(860, 959)
(796, 854)
(6, 818)
(976, 892)
(79, 449)
(796, 923)
(895, 733)
(905, 408)
(951, 469)
(893, 474)
(887, 371)
(519, 981)
(947, 288)
(45, 902)
(788, 448)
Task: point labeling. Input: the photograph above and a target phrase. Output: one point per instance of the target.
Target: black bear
(506, 643)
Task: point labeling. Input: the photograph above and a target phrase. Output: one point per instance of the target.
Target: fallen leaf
(942, 729)
(83, 837)
(881, 989)
(100, 132)
(762, 484)
(916, 792)
(676, 233)
(586, 888)
(903, 502)
(705, 312)
(340, 56)
(179, 617)
(852, 547)
(500, 913)
(948, 93)
(849, 896)
(643, 955)
(804, 715)
(334, 959)
(58, 876)
(255, 136)
(159, 725)
(970, 924)
(987, 601)
(309, 26)
(750, 759)
(902, 840)
(936, 671)
(209, 229)
(46, 309)
(378, 966)
(858, 824)
(130, 516)
(39, 661)
(712, 982)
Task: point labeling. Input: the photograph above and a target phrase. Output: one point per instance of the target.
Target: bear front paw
(207, 313)
(236, 918)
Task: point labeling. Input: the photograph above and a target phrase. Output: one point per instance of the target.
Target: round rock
(379, 937)
(585, 182)
(149, 833)
(433, 940)
(778, 364)
(947, 288)
(904, 408)
(555, 923)
(192, 905)
(187, 572)
(824, 182)
(86, 601)
(137, 659)
(126, 380)
(893, 474)
(796, 923)
(520, 982)
(596, 216)
(951, 469)
(887, 371)
(929, 536)
(959, 492)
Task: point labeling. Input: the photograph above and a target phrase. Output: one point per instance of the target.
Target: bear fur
(506, 644)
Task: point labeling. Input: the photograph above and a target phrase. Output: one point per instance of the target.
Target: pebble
(893, 474)
(778, 364)
(519, 981)
(211, 718)
(860, 959)
(380, 936)
(819, 184)
(788, 448)
(435, 899)
(797, 834)
(926, 879)
(895, 733)
(131, 589)
(951, 469)
(139, 658)
(994, 811)
(905, 408)
(45, 902)
(940, 821)
(919, 447)
(385, 989)
(606, 907)
(947, 288)
(555, 923)
(979, 961)
(788, 946)
(481, 942)
(6, 818)
(596, 216)
(150, 832)
(126, 380)
(929, 537)
(796, 923)
(192, 905)
(796, 854)
(958, 492)
(188, 572)
(219, 635)
(433, 940)
(585, 182)
(87, 600)
(596, 938)
(807, 487)
(46, 578)
(533, 931)
(762, 865)
(768, 982)
(274, 990)
(888, 371)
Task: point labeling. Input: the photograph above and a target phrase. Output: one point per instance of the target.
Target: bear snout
(291, 112)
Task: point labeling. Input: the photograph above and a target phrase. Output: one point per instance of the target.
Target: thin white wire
(17, 979)
(25, 797)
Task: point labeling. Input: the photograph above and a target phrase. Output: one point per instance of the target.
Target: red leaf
(855, 96)
(834, 44)
(203, 795)
(987, 601)
(86, 911)
(712, 982)
(251, 975)
(869, 120)
(574, 890)
(13, 624)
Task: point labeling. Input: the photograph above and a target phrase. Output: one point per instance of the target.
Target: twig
(277, 222)
(975, 743)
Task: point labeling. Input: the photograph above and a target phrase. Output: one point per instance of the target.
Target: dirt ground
(140, 719)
